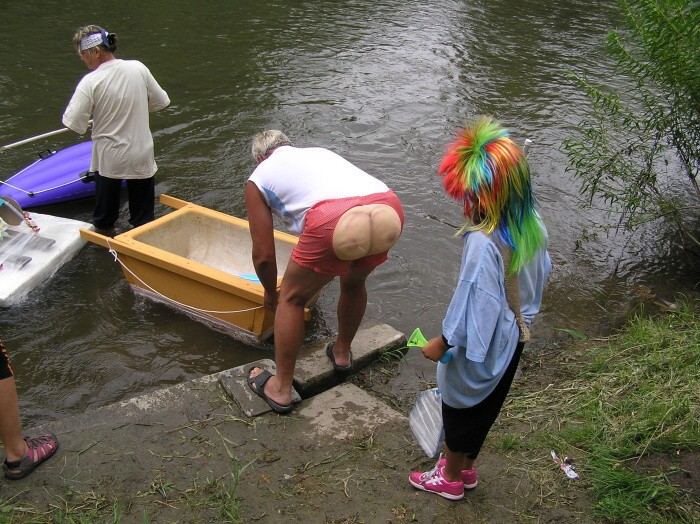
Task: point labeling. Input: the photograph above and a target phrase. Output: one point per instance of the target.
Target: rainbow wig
(486, 171)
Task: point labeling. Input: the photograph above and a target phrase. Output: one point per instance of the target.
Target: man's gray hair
(82, 32)
(265, 142)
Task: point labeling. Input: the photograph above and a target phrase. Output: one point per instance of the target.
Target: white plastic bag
(425, 420)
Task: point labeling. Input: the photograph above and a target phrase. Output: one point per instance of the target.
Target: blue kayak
(58, 176)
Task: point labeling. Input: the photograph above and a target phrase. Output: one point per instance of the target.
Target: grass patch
(632, 396)
(393, 355)
(209, 499)
(74, 508)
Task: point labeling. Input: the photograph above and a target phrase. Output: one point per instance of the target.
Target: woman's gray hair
(265, 142)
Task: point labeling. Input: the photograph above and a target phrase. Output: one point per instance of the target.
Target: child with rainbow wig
(503, 271)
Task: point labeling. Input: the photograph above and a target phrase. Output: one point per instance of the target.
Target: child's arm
(435, 348)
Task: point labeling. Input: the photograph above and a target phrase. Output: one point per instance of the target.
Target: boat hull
(59, 177)
(198, 261)
(30, 259)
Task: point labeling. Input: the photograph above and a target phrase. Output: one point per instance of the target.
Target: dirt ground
(199, 459)
(364, 479)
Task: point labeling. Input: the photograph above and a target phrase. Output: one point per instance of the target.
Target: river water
(384, 83)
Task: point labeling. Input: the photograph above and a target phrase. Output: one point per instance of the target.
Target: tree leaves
(638, 146)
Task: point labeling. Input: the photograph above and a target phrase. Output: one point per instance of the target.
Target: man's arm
(157, 97)
(77, 114)
(262, 235)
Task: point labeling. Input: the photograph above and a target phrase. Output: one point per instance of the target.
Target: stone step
(314, 372)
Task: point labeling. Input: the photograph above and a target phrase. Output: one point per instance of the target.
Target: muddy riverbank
(189, 454)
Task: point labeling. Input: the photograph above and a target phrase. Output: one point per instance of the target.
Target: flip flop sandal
(336, 367)
(257, 386)
(39, 449)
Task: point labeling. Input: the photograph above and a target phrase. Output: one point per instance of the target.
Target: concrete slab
(314, 372)
(235, 383)
(345, 412)
(177, 399)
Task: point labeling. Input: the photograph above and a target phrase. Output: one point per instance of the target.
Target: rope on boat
(22, 171)
(168, 299)
(32, 193)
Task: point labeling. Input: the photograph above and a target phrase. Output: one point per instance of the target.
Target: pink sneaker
(469, 477)
(433, 482)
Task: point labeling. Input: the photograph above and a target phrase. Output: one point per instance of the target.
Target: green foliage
(631, 406)
(624, 496)
(644, 388)
(387, 356)
(573, 333)
(626, 148)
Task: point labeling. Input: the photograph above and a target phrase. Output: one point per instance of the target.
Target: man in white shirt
(118, 96)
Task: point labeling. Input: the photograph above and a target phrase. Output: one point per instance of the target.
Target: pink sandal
(39, 449)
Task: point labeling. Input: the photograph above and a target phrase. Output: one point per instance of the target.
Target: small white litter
(565, 466)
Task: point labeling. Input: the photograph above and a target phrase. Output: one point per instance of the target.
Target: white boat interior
(205, 239)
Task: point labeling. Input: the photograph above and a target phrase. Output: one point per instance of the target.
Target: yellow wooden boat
(199, 261)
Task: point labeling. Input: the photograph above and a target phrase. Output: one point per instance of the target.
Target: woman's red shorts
(315, 247)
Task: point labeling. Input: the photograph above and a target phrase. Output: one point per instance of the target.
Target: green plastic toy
(417, 340)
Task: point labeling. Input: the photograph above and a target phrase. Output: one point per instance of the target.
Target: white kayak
(29, 258)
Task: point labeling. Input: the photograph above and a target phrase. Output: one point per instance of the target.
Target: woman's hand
(270, 300)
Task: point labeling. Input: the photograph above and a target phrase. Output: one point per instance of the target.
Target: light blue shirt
(480, 324)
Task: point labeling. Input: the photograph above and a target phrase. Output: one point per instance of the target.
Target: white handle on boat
(38, 137)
